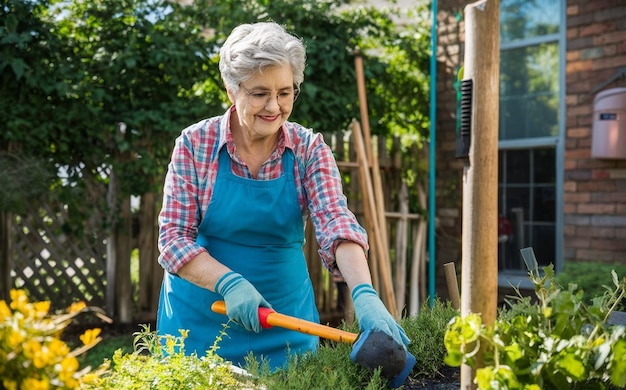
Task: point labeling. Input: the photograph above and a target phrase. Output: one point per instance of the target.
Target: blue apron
(255, 228)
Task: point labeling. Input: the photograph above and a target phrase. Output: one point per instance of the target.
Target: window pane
(517, 166)
(529, 92)
(522, 19)
(543, 243)
(527, 205)
(543, 204)
(545, 171)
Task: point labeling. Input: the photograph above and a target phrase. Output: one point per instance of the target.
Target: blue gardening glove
(372, 314)
(242, 300)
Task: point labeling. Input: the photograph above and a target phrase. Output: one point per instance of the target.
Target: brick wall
(594, 189)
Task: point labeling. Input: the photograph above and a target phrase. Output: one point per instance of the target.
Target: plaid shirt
(193, 169)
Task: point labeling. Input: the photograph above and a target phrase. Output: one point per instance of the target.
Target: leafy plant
(329, 368)
(32, 356)
(556, 342)
(591, 277)
(159, 362)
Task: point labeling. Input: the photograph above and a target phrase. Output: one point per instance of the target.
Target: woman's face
(264, 102)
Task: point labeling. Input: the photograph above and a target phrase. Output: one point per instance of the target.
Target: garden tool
(370, 349)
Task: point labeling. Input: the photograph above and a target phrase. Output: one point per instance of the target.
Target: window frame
(508, 278)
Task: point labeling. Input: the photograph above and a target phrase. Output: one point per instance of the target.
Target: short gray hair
(250, 48)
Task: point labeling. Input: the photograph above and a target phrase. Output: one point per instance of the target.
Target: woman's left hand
(372, 314)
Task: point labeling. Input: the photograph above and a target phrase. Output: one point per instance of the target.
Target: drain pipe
(431, 156)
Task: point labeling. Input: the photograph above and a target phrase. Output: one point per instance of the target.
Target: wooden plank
(6, 263)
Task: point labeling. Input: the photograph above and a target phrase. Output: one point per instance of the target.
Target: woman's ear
(231, 95)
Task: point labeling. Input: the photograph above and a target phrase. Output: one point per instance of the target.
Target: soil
(447, 378)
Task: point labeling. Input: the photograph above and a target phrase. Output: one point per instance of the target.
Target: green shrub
(592, 278)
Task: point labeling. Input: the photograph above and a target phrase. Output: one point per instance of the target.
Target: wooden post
(479, 278)
(453, 285)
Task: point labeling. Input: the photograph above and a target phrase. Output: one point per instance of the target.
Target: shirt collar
(226, 136)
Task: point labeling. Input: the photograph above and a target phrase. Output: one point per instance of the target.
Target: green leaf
(571, 363)
(18, 66)
(618, 364)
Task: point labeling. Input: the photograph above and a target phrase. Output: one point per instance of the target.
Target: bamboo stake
(401, 244)
(453, 285)
(379, 205)
(360, 83)
(418, 263)
(372, 159)
(367, 211)
(385, 276)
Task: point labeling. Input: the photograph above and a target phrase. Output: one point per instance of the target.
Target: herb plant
(159, 363)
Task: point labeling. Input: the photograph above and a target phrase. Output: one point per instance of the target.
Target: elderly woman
(238, 191)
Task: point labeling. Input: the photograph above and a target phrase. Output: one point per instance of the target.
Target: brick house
(556, 56)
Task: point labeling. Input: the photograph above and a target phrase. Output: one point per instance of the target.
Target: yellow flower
(58, 347)
(90, 336)
(76, 307)
(41, 308)
(19, 302)
(15, 338)
(170, 344)
(67, 369)
(90, 378)
(43, 358)
(9, 384)
(34, 384)
(5, 311)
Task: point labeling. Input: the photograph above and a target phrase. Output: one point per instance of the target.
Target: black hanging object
(464, 136)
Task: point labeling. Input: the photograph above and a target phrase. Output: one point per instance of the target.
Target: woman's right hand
(242, 300)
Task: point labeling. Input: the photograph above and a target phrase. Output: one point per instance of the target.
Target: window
(530, 131)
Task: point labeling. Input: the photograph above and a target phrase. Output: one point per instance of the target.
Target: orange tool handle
(269, 318)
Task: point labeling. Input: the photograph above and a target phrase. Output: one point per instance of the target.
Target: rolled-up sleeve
(180, 214)
(333, 221)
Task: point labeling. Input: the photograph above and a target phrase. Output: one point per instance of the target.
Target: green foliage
(426, 332)
(558, 342)
(22, 179)
(331, 367)
(592, 278)
(160, 363)
(93, 83)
